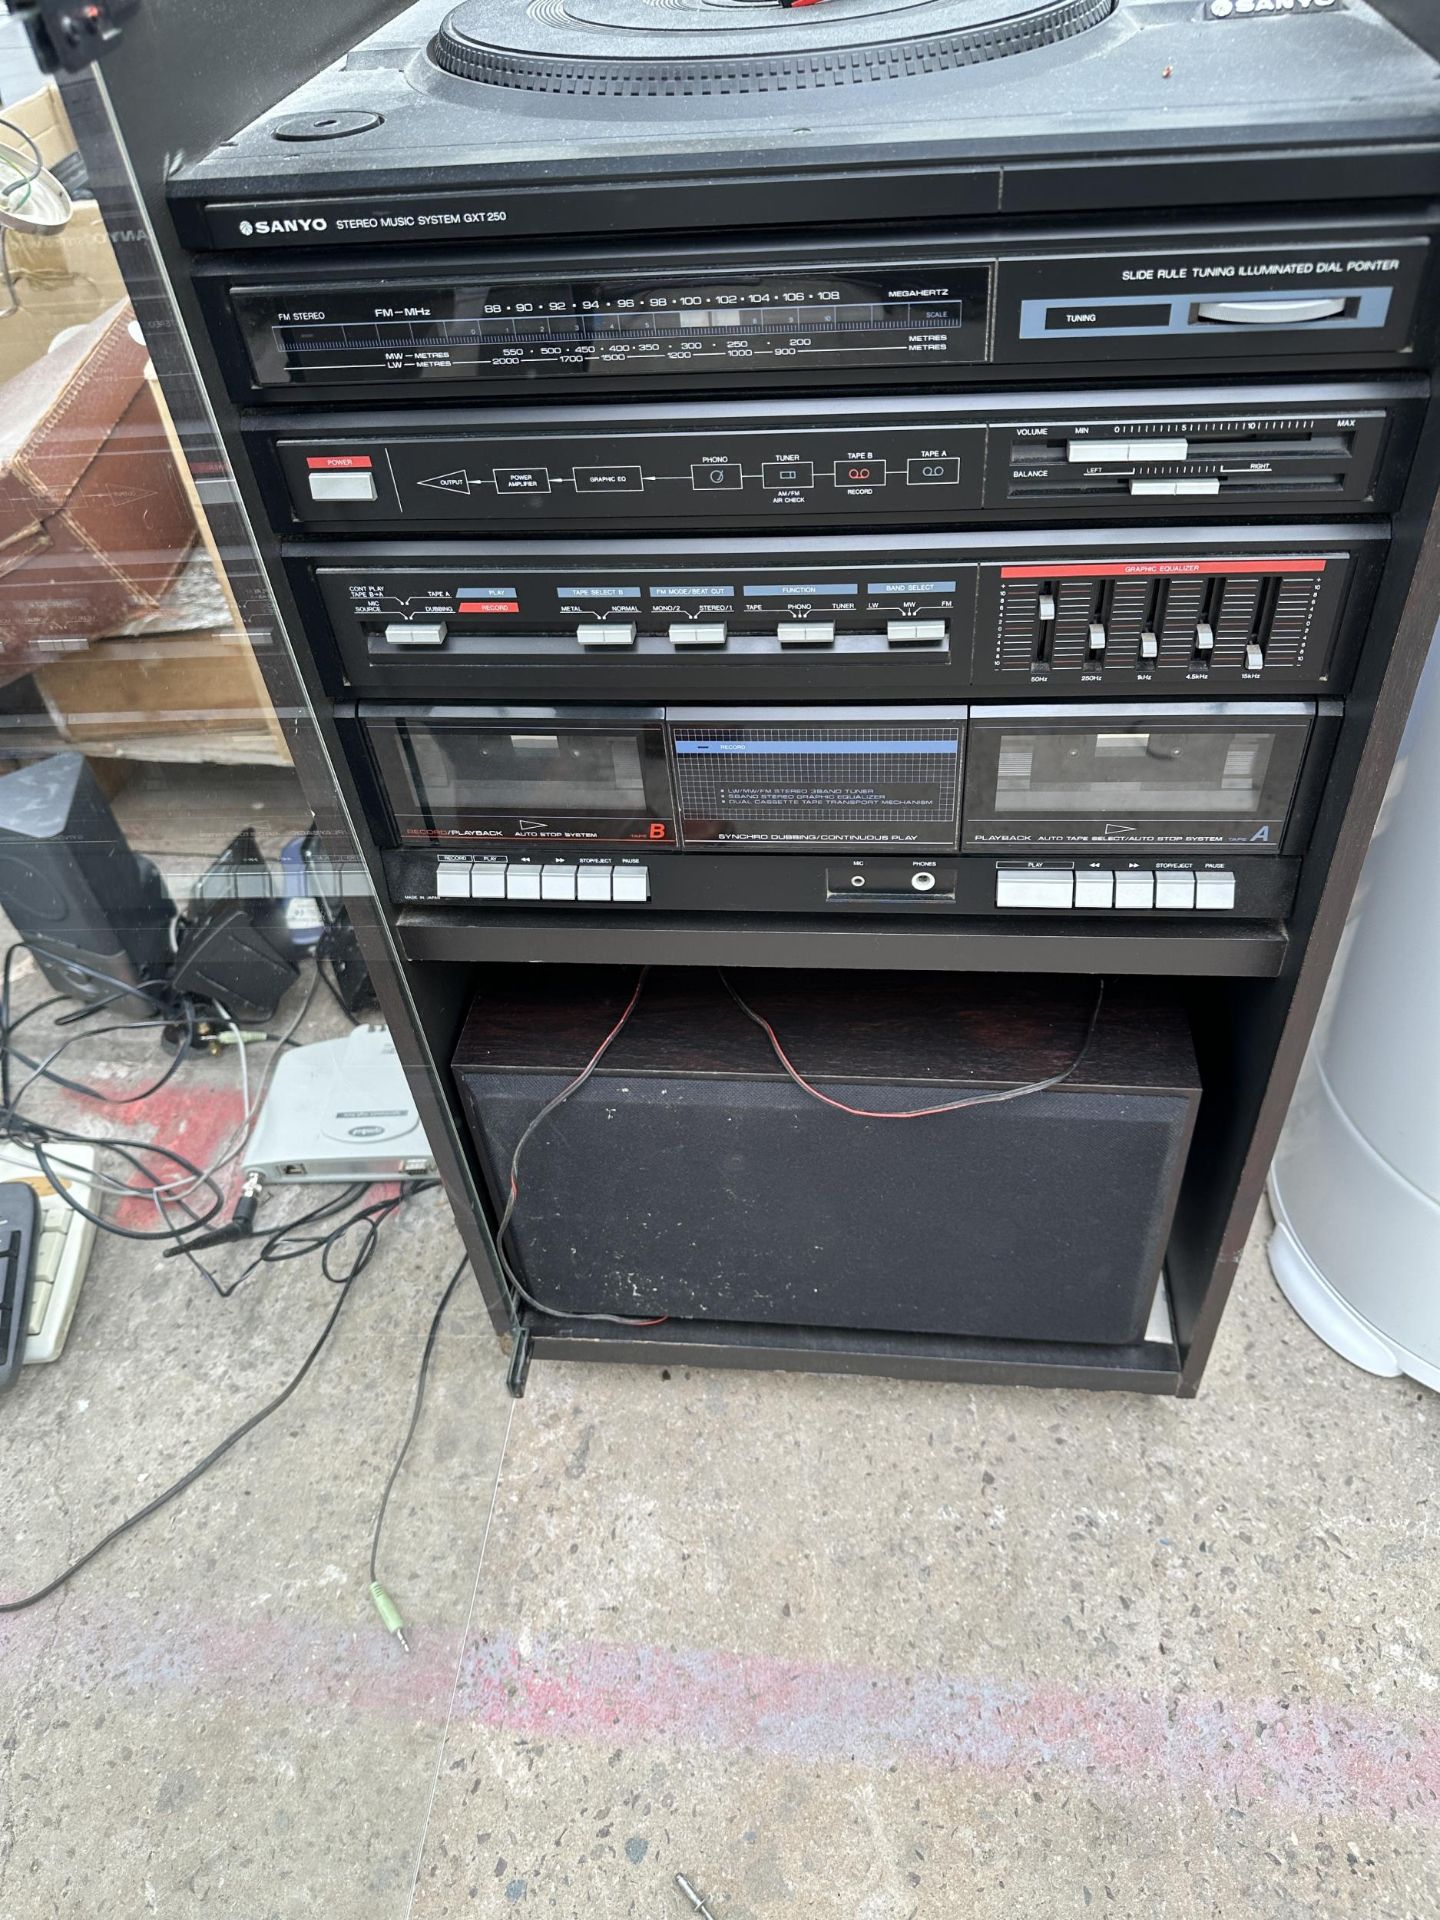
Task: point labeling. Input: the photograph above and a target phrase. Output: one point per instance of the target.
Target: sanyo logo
(316, 225)
(1235, 9)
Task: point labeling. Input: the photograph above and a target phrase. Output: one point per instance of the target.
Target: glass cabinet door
(193, 984)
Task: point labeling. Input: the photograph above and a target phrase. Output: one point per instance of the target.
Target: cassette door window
(1158, 777)
(523, 776)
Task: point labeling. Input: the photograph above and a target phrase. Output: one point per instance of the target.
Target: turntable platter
(675, 48)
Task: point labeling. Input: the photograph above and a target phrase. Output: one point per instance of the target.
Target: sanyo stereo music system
(865, 487)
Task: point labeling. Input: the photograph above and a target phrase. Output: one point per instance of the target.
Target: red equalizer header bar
(1118, 569)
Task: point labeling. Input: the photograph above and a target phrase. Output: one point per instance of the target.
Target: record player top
(492, 94)
(683, 47)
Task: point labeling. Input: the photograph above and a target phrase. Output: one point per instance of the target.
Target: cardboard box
(42, 115)
(60, 280)
(165, 683)
(94, 520)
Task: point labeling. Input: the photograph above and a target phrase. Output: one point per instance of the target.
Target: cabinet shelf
(1244, 950)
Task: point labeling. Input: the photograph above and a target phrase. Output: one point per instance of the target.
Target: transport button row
(501, 879)
(1058, 889)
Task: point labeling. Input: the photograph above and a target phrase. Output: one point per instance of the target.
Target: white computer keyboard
(66, 1238)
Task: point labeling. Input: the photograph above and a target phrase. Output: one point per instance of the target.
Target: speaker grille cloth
(737, 1199)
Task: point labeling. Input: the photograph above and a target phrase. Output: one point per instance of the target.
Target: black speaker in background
(235, 948)
(691, 1177)
(338, 946)
(87, 904)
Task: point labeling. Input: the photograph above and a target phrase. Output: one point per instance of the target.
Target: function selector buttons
(806, 633)
(916, 633)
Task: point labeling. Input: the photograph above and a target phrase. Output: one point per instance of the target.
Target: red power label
(328, 462)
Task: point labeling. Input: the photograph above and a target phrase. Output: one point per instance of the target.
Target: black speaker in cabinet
(692, 1177)
(94, 912)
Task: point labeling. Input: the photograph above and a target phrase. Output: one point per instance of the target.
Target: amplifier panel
(720, 475)
(923, 616)
(864, 465)
(624, 621)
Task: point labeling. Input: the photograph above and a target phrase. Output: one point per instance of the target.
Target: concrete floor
(213, 1719)
(830, 1647)
(877, 1650)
